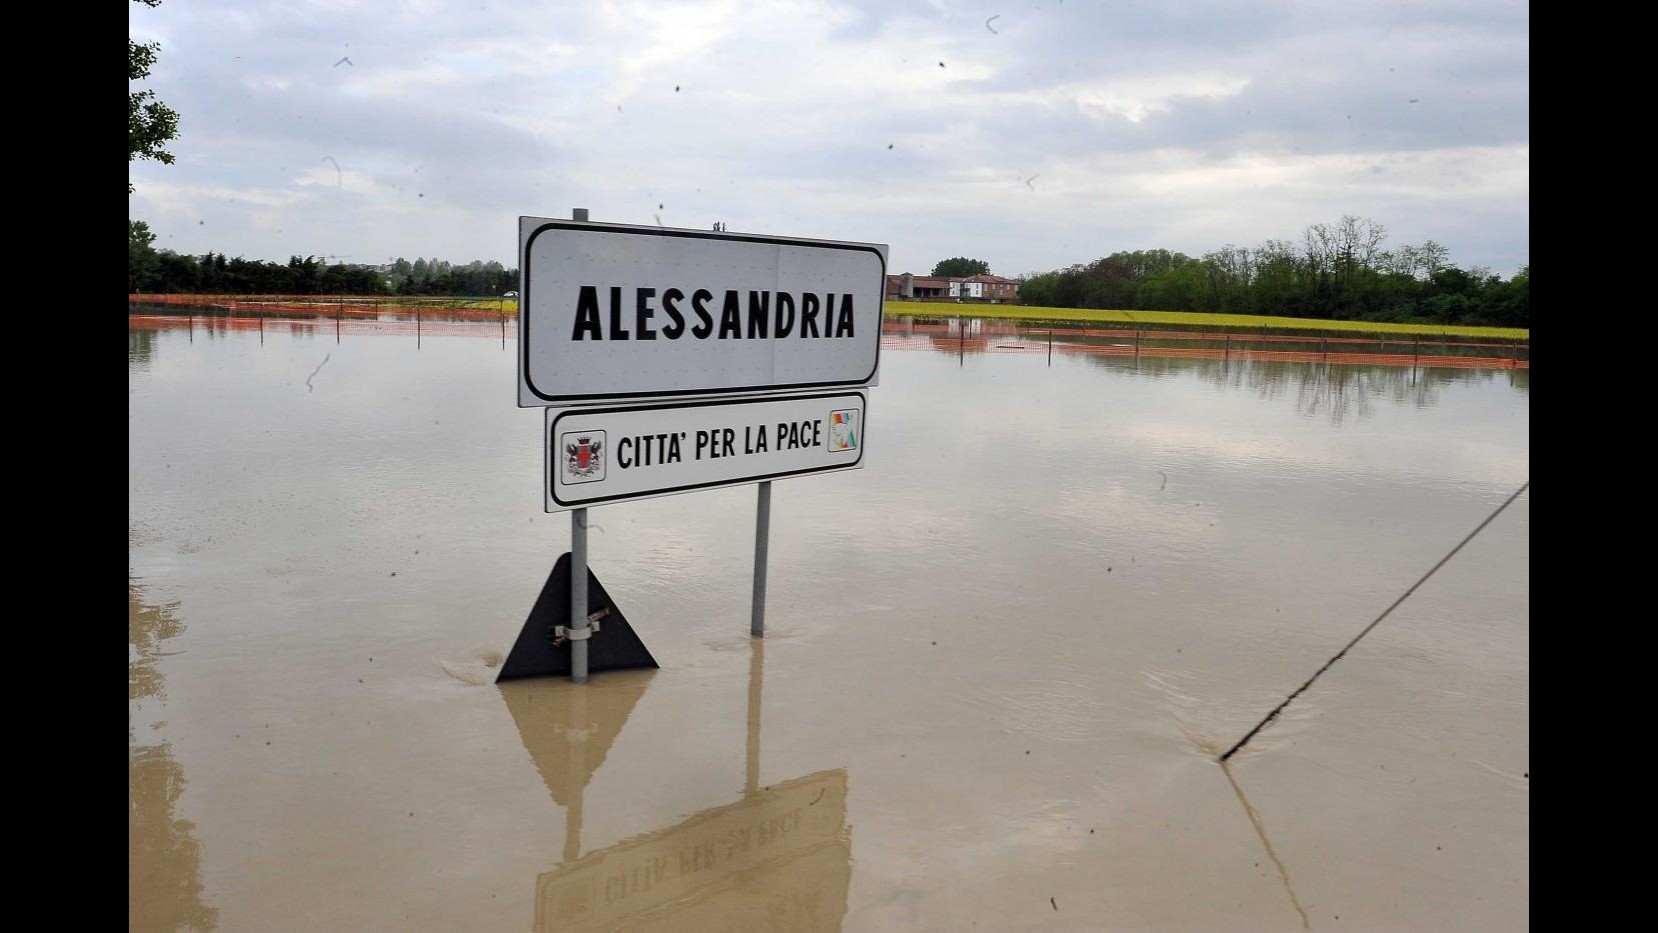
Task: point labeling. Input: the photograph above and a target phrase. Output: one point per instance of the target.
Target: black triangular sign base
(613, 647)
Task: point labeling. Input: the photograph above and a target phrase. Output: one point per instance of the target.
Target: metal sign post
(762, 534)
(579, 632)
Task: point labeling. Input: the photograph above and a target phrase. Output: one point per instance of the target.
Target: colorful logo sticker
(584, 457)
(843, 429)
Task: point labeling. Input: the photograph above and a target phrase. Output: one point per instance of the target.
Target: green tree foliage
(1338, 271)
(142, 261)
(437, 277)
(1510, 302)
(961, 267)
(150, 123)
(214, 274)
(1038, 289)
(167, 272)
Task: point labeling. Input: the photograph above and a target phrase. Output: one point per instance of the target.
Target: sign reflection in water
(779, 858)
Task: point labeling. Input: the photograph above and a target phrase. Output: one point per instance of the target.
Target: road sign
(600, 455)
(613, 313)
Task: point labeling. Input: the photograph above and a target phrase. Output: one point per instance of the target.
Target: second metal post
(762, 534)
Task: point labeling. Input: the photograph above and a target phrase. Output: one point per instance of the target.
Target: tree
(1182, 287)
(1230, 271)
(304, 275)
(1039, 289)
(1358, 243)
(961, 267)
(142, 261)
(1509, 304)
(150, 123)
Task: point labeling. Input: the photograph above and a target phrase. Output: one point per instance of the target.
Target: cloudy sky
(1029, 133)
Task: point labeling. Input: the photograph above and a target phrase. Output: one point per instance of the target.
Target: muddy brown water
(1002, 658)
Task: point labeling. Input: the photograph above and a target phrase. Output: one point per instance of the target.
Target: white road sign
(614, 313)
(599, 455)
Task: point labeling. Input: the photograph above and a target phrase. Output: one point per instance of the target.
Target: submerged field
(1001, 658)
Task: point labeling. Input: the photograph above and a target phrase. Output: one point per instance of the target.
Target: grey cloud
(740, 144)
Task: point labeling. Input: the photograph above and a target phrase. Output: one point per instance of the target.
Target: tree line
(154, 272)
(1336, 271)
(439, 277)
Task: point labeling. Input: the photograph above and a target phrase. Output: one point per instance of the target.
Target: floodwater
(1001, 660)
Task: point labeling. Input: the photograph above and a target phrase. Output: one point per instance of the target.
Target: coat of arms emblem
(843, 429)
(584, 457)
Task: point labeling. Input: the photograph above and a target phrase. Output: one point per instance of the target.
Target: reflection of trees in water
(147, 627)
(140, 347)
(1343, 392)
(163, 856)
(1338, 392)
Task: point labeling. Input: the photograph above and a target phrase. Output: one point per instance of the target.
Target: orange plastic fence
(336, 327)
(321, 305)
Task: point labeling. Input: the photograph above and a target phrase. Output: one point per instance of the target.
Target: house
(994, 288)
(909, 287)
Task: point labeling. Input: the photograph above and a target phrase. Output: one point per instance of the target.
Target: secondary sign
(613, 312)
(599, 455)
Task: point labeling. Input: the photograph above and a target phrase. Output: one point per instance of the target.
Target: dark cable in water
(1385, 612)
